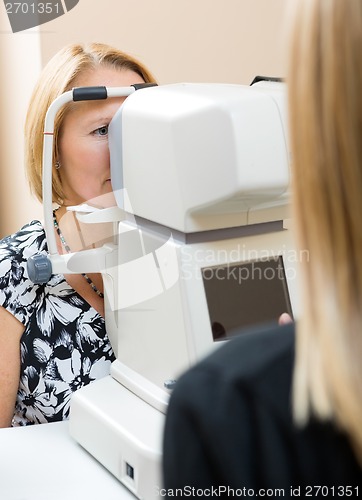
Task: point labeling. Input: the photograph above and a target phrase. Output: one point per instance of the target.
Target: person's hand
(285, 319)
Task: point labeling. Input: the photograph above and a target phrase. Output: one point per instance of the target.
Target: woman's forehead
(89, 112)
(92, 111)
(107, 76)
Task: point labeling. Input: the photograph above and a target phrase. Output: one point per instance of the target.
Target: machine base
(122, 432)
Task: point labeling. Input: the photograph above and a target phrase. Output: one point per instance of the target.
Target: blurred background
(227, 41)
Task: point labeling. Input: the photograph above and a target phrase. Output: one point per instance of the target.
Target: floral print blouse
(64, 345)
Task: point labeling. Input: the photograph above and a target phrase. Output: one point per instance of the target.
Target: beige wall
(19, 66)
(180, 40)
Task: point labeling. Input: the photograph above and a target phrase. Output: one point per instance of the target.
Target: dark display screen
(242, 295)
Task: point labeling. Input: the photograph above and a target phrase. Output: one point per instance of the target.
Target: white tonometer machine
(201, 178)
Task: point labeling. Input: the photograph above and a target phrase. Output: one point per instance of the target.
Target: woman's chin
(105, 200)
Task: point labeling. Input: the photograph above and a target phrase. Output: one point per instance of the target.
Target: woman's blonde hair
(58, 76)
(325, 105)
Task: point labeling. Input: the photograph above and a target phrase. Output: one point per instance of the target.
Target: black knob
(39, 268)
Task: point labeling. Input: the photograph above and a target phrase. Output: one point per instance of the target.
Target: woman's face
(83, 139)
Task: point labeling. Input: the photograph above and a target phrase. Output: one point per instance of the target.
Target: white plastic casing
(196, 157)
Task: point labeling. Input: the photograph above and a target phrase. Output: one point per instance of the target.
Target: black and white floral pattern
(64, 345)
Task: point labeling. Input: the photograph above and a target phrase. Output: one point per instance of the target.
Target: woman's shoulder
(252, 353)
(28, 240)
(17, 292)
(257, 362)
(15, 250)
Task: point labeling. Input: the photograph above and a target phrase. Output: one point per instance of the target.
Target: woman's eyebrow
(98, 120)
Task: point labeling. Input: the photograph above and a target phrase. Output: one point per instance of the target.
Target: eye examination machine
(202, 249)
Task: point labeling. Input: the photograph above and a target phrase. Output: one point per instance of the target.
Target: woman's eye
(101, 130)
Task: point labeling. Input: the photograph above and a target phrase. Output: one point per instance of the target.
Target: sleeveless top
(64, 346)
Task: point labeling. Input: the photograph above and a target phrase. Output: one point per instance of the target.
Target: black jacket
(229, 424)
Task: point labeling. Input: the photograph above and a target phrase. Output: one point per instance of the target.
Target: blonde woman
(282, 409)
(52, 337)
